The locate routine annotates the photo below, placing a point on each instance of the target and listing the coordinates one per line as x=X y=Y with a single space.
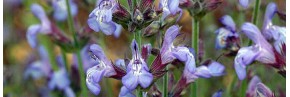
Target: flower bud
x=152 y=29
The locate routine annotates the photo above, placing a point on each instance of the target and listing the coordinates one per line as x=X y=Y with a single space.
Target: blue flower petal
x=31 y=35
x=173 y=5
x=94 y=76
x=38 y=11
x=69 y=92
x=59 y=80
x=252 y=86
x=228 y=22
x=244 y=3
x=124 y=92
x=269 y=14
x=130 y=81
x=245 y=56
x=98 y=51
x=216 y=69
x=254 y=34
x=202 y=71
x=263 y=91
x=145 y=79
x=93 y=24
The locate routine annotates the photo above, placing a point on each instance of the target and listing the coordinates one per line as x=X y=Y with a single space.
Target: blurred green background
x=18 y=54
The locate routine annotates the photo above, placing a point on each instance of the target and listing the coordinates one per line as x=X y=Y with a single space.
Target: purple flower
x=270 y=31
x=263 y=91
x=88 y=61
x=244 y=3
x=100 y=19
x=252 y=86
x=96 y=73
x=137 y=71
x=61 y=81
x=183 y=54
x=33 y=30
x=170 y=7
x=228 y=22
x=257 y=89
x=125 y=92
x=227 y=37
x=204 y=71
x=167 y=46
x=40 y=68
x=60 y=9
x=211 y=70
x=261 y=51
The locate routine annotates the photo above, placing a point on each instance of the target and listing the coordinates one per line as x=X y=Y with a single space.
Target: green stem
x=165 y=84
x=109 y=88
x=140 y=92
x=243 y=88
x=80 y=63
x=256 y=15
x=195 y=37
x=256 y=12
x=138 y=38
x=82 y=75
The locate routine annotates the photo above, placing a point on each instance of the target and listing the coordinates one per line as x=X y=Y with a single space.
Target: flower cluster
x=262 y=50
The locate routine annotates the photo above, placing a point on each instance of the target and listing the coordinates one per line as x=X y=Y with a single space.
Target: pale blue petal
x=228 y=22
x=118 y=30
x=216 y=69
x=269 y=14
x=69 y=92
x=130 y=81
x=263 y=91
x=252 y=85
x=38 y=11
x=94 y=76
x=98 y=51
x=94 y=88
x=245 y=56
x=93 y=24
x=254 y=34
x=124 y=92
x=31 y=35
x=108 y=28
x=145 y=79
x=244 y=3
x=222 y=35
x=173 y=5
x=202 y=71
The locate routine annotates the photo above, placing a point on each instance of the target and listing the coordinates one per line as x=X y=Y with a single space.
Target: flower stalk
x=195 y=37
x=80 y=63
x=138 y=38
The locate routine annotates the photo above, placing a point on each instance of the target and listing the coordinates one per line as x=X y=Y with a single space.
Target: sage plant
x=156 y=56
